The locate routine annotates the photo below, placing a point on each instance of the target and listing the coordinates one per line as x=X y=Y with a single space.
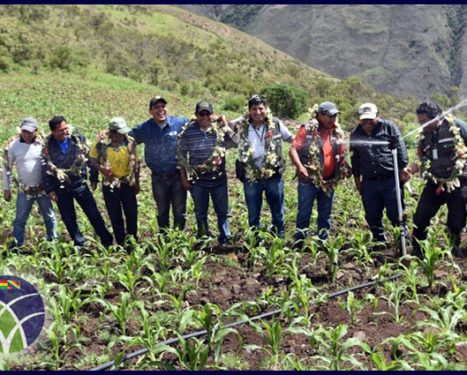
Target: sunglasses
x=204 y=113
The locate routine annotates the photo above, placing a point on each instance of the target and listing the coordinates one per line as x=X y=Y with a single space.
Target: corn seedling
x=330 y=343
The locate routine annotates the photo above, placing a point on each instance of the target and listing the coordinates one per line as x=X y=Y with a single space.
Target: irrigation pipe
x=126 y=357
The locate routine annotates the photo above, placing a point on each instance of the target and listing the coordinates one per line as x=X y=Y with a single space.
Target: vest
x=313 y=137
x=440 y=142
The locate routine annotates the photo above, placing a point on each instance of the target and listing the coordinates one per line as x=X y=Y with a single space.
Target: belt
x=380 y=178
x=164 y=175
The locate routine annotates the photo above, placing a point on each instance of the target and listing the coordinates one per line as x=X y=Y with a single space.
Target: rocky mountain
x=398 y=49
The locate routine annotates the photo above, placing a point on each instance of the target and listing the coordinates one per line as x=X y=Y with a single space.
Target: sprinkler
x=393 y=147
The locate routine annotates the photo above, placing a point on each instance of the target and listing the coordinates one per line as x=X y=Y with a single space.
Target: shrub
x=286 y=101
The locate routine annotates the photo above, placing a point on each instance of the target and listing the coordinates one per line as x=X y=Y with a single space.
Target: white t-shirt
x=28 y=162
x=257 y=136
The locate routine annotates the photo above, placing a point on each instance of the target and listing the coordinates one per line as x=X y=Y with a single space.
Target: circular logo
x=21 y=314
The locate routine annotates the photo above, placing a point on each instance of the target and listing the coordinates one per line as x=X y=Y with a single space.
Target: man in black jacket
x=373 y=167
x=443 y=153
x=64 y=176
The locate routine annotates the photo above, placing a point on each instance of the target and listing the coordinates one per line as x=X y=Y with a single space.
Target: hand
x=302 y=173
x=405 y=174
x=413 y=168
x=358 y=183
x=93 y=185
x=7 y=195
x=186 y=184
x=53 y=196
x=105 y=171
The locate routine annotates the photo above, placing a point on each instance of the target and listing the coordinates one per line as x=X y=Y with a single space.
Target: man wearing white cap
x=373 y=167
x=25 y=150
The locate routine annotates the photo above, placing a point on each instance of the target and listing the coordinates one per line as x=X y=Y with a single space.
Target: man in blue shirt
x=159 y=135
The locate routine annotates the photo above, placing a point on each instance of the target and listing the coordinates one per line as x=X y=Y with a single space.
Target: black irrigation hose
x=126 y=357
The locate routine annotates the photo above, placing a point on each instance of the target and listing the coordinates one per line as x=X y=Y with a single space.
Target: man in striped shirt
x=202 y=145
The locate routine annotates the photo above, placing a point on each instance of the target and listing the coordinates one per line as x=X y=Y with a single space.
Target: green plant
x=334 y=351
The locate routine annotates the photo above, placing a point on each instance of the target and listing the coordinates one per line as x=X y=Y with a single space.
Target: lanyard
x=261 y=137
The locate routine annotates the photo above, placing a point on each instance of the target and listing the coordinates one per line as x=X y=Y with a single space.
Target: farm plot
x=103 y=303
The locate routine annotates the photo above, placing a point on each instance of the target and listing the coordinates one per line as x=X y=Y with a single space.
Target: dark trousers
x=117 y=199
x=168 y=190
x=84 y=197
x=377 y=195
x=429 y=205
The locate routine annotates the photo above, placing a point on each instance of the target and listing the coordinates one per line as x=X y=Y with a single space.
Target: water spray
x=439 y=117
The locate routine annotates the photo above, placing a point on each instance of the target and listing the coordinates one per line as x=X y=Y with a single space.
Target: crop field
x=102 y=304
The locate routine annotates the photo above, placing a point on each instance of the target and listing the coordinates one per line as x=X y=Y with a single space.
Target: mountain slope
x=398 y=49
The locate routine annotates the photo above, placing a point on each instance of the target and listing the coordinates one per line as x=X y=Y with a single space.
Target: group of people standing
x=189 y=155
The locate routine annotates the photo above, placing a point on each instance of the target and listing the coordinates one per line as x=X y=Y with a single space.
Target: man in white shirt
x=25 y=150
x=260 y=154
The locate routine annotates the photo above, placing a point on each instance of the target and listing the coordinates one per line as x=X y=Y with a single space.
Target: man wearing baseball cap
x=373 y=167
x=114 y=156
x=202 y=146
x=318 y=172
x=159 y=135
x=24 y=150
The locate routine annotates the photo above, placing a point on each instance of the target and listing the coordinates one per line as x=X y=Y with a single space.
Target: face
x=115 y=136
x=204 y=119
x=326 y=121
x=61 y=132
x=159 y=112
x=368 y=125
x=28 y=136
x=423 y=119
x=258 y=114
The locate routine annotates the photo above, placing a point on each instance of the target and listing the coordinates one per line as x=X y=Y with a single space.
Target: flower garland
x=314 y=167
x=246 y=151
x=452 y=182
x=213 y=162
x=63 y=174
x=113 y=181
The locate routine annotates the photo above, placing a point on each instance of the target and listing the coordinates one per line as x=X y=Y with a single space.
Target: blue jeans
x=23 y=208
x=307 y=193
x=220 y=200
x=274 y=190
x=84 y=197
x=377 y=194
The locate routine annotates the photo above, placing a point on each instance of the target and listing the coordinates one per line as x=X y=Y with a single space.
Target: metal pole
x=399 y=201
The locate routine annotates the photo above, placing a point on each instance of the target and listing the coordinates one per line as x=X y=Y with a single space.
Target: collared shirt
x=374 y=160
x=199 y=145
x=118 y=157
x=64 y=161
x=328 y=164
x=160 y=143
x=28 y=162
x=257 y=139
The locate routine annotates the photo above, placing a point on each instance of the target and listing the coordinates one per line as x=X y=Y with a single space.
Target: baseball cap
x=328 y=108
x=203 y=105
x=29 y=124
x=154 y=100
x=368 y=111
x=119 y=125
